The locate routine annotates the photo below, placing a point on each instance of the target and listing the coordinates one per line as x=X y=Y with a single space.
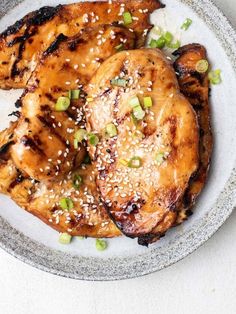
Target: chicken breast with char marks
x=44 y=136
x=145 y=165
x=43 y=201
x=22 y=44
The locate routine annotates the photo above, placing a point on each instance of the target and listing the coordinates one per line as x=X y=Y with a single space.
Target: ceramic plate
x=31 y=241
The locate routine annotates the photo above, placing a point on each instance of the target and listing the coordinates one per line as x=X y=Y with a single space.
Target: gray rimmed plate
x=25 y=237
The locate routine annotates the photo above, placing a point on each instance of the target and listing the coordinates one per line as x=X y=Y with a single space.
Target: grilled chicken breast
x=44 y=137
x=144 y=170
x=195 y=86
x=22 y=44
x=42 y=200
x=88 y=217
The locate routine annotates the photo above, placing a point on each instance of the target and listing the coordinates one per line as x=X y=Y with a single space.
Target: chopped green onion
x=77 y=181
x=168 y=37
x=74 y=94
x=66 y=203
x=87 y=159
x=156 y=30
x=153 y=43
x=80 y=237
x=62 y=104
x=160 y=157
x=135 y=162
x=134 y=120
x=101 y=245
x=80 y=135
x=160 y=42
x=215 y=77
x=147 y=102
x=111 y=130
x=123 y=162
x=138 y=112
x=134 y=102
x=119 y=47
x=127 y=17
x=93 y=139
x=76 y=144
x=185 y=26
x=65 y=238
x=202 y=66
x=175 y=45
x=89 y=99
x=119 y=82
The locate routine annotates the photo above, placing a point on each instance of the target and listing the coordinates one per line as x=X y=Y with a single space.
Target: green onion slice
x=134 y=102
x=160 y=42
x=77 y=181
x=138 y=112
x=202 y=66
x=123 y=162
x=127 y=17
x=101 y=245
x=160 y=157
x=156 y=30
x=147 y=102
x=89 y=99
x=80 y=135
x=66 y=203
x=175 y=45
x=215 y=77
x=135 y=162
x=111 y=130
x=76 y=144
x=119 y=47
x=134 y=120
x=168 y=37
x=65 y=238
x=62 y=104
x=93 y=139
x=153 y=43
x=185 y=26
x=74 y=94
x=119 y=82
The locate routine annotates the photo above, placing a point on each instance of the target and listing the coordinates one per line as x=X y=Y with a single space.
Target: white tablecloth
x=204 y=282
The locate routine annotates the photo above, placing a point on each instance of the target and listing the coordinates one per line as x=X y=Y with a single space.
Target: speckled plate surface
x=25 y=237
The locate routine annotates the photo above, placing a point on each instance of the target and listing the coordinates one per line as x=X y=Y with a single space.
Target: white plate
x=208 y=216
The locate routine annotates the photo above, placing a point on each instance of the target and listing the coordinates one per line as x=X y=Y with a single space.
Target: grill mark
x=41 y=16
x=72 y=45
x=71 y=114
x=18 y=179
x=29 y=142
x=15 y=114
x=55 y=44
x=21 y=38
x=37 y=18
x=147 y=239
x=4 y=150
x=48 y=123
x=15 y=71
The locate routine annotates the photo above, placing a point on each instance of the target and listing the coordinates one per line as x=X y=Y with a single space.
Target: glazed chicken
x=44 y=136
x=87 y=217
x=145 y=164
x=23 y=43
x=43 y=200
x=195 y=86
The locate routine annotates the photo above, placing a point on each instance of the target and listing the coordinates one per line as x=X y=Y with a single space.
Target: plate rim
x=89 y=268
